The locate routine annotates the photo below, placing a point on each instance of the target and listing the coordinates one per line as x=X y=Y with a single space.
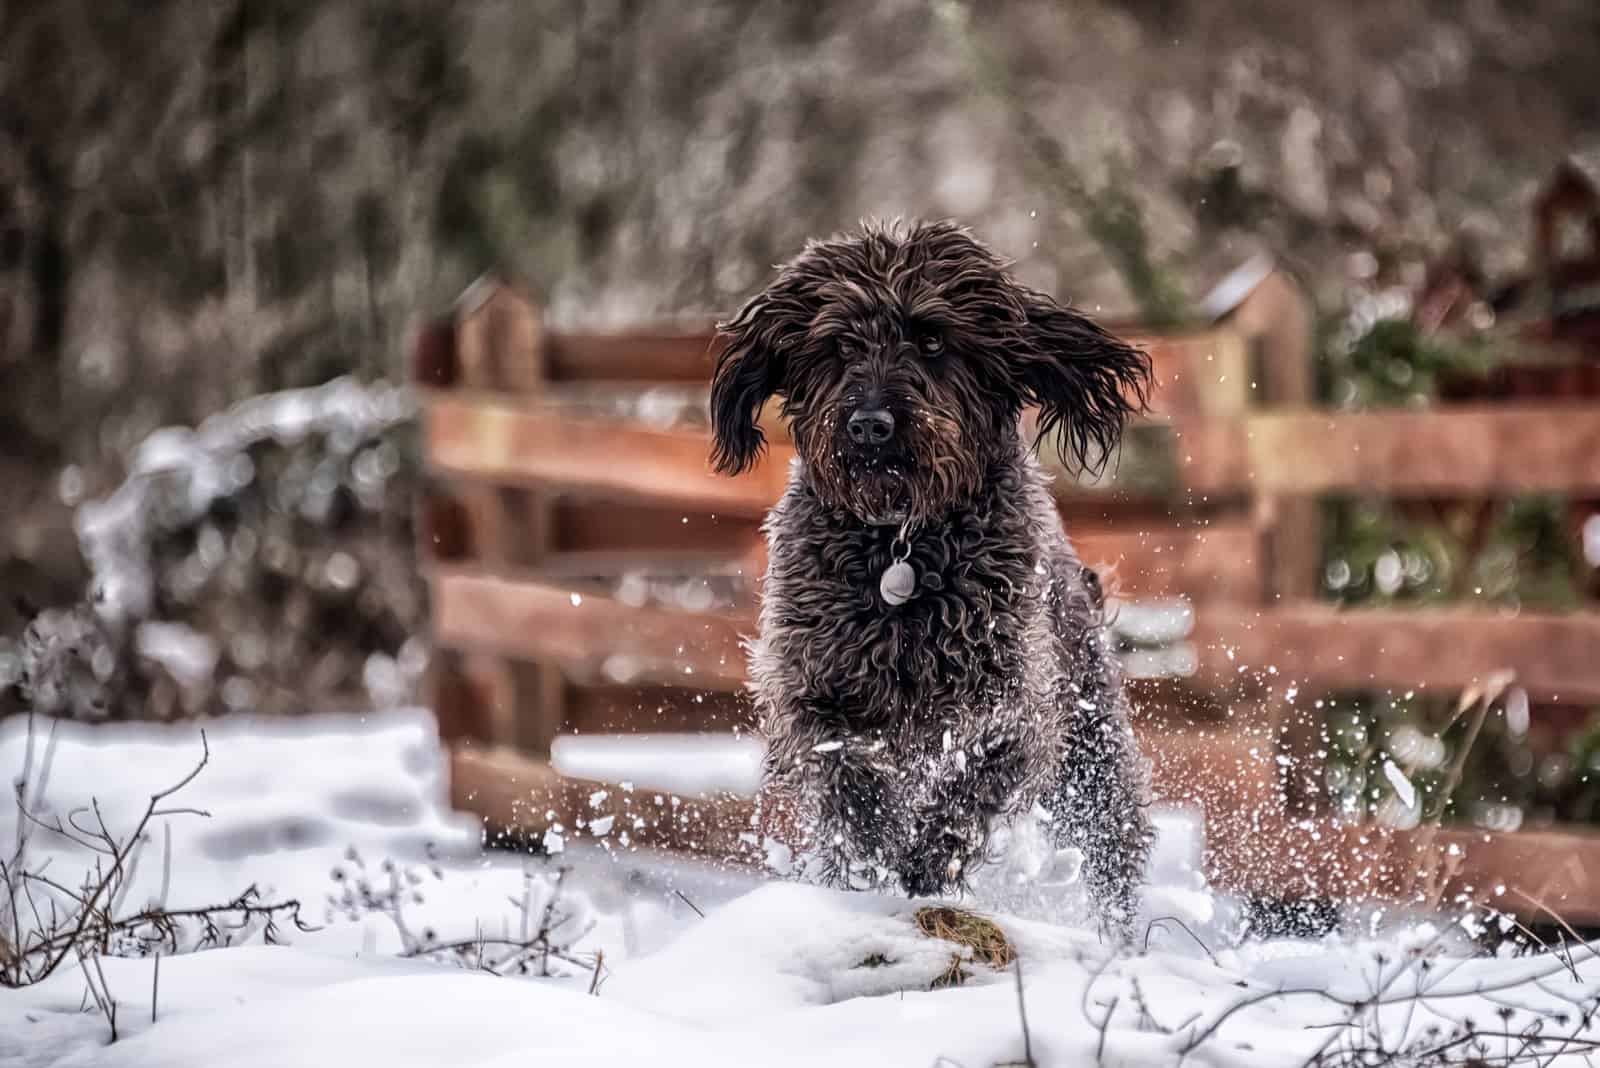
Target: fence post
x=499 y=339
x=1280 y=327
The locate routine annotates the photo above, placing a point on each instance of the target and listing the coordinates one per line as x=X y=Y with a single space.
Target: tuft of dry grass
x=978 y=934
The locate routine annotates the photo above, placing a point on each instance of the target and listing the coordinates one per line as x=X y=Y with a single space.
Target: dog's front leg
x=852 y=796
x=860 y=819
x=974 y=780
x=1101 y=808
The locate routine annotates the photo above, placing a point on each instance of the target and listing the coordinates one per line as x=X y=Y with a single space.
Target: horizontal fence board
x=1216 y=561
x=1412 y=453
x=610 y=708
x=1226 y=773
x=594 y=637
x=1204 y=372
x=1445 y=650
x=487 y=438
x=655 y=356
x=1440 y=451
x=1251 y=846
x=1437 y=454
x=587 y=525
x=1314 y=646
x=1537 y=875
x=509 y=444
x=613 y=709
x=1549 y=874
x=514 y=792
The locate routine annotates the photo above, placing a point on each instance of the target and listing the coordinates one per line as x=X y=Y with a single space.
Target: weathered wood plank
x=1444 y=650
x=1250 y=846
x=488 y=439
x=1533 y=874
x=499 y=340
x=1310 y=645
x=1221 y=771
x=594 y=637
x=1213 y=561
x=596 y=526
x=1217 y=561
x=512 y=791
x=655 y=709
x=516 y=446
x=1200 y=373
x=666 y=355
x=1439 y=452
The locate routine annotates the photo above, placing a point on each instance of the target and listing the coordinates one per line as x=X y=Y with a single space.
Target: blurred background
x=234 y=216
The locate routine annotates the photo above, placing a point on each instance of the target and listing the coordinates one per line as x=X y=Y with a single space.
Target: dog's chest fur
x=979 y=635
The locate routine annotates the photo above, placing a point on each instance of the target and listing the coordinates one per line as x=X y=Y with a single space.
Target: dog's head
x=904 y=359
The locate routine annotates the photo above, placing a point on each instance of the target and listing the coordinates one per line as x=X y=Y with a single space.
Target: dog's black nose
x=870 y=426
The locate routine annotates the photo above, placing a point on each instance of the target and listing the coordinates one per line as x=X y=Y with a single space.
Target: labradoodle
x=932 y=658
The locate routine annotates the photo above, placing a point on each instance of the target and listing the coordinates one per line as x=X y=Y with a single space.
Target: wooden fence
x=570 y=469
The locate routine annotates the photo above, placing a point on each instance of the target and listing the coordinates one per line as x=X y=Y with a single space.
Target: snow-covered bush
x=262 y=561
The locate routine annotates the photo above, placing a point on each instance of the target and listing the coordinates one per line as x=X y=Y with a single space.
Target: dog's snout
x=870 y=426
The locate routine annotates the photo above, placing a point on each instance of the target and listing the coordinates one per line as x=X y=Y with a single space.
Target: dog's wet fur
x=899 y=734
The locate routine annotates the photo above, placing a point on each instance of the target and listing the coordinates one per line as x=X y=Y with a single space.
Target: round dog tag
x=898 y=583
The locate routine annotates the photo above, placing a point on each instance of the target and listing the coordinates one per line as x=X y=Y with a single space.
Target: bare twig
x=541 y=935
x=1151 y=926
x=101 y=994
x=681 y=896
x=1022 y=1015
x=87 y=921
x=1484 y=698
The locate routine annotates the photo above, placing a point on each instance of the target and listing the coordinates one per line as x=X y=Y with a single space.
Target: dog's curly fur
x=901 y=733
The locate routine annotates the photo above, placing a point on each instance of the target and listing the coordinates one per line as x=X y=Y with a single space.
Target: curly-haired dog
x=931 y=655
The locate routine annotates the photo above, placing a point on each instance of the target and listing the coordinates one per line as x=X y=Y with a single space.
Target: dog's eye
x=930 y=343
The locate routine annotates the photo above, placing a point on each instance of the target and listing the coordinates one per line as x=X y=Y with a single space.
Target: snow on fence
x=590 y=576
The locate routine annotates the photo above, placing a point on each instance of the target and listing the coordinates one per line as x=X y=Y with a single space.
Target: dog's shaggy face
x=904 y=358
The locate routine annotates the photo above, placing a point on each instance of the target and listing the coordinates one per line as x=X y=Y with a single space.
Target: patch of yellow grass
x=979 y=934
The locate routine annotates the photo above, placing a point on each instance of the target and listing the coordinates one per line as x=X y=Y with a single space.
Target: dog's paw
x=938 y=861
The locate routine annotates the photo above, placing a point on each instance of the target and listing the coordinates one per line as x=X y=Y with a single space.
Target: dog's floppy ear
x=749 y=370
x=1085 y=381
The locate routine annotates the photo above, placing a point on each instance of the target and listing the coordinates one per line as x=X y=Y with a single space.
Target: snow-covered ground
x=773 y=973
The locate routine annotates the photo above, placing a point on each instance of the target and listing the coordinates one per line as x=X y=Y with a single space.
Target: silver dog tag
x=898 y=583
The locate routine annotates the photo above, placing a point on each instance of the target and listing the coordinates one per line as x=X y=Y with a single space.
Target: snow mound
x=789 y=974
x=287 y=803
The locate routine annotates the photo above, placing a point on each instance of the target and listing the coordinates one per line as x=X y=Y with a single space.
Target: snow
x=291 y=801
x=1402 y=785
x=685 y=764
x=775 y=972
x=190 y=656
